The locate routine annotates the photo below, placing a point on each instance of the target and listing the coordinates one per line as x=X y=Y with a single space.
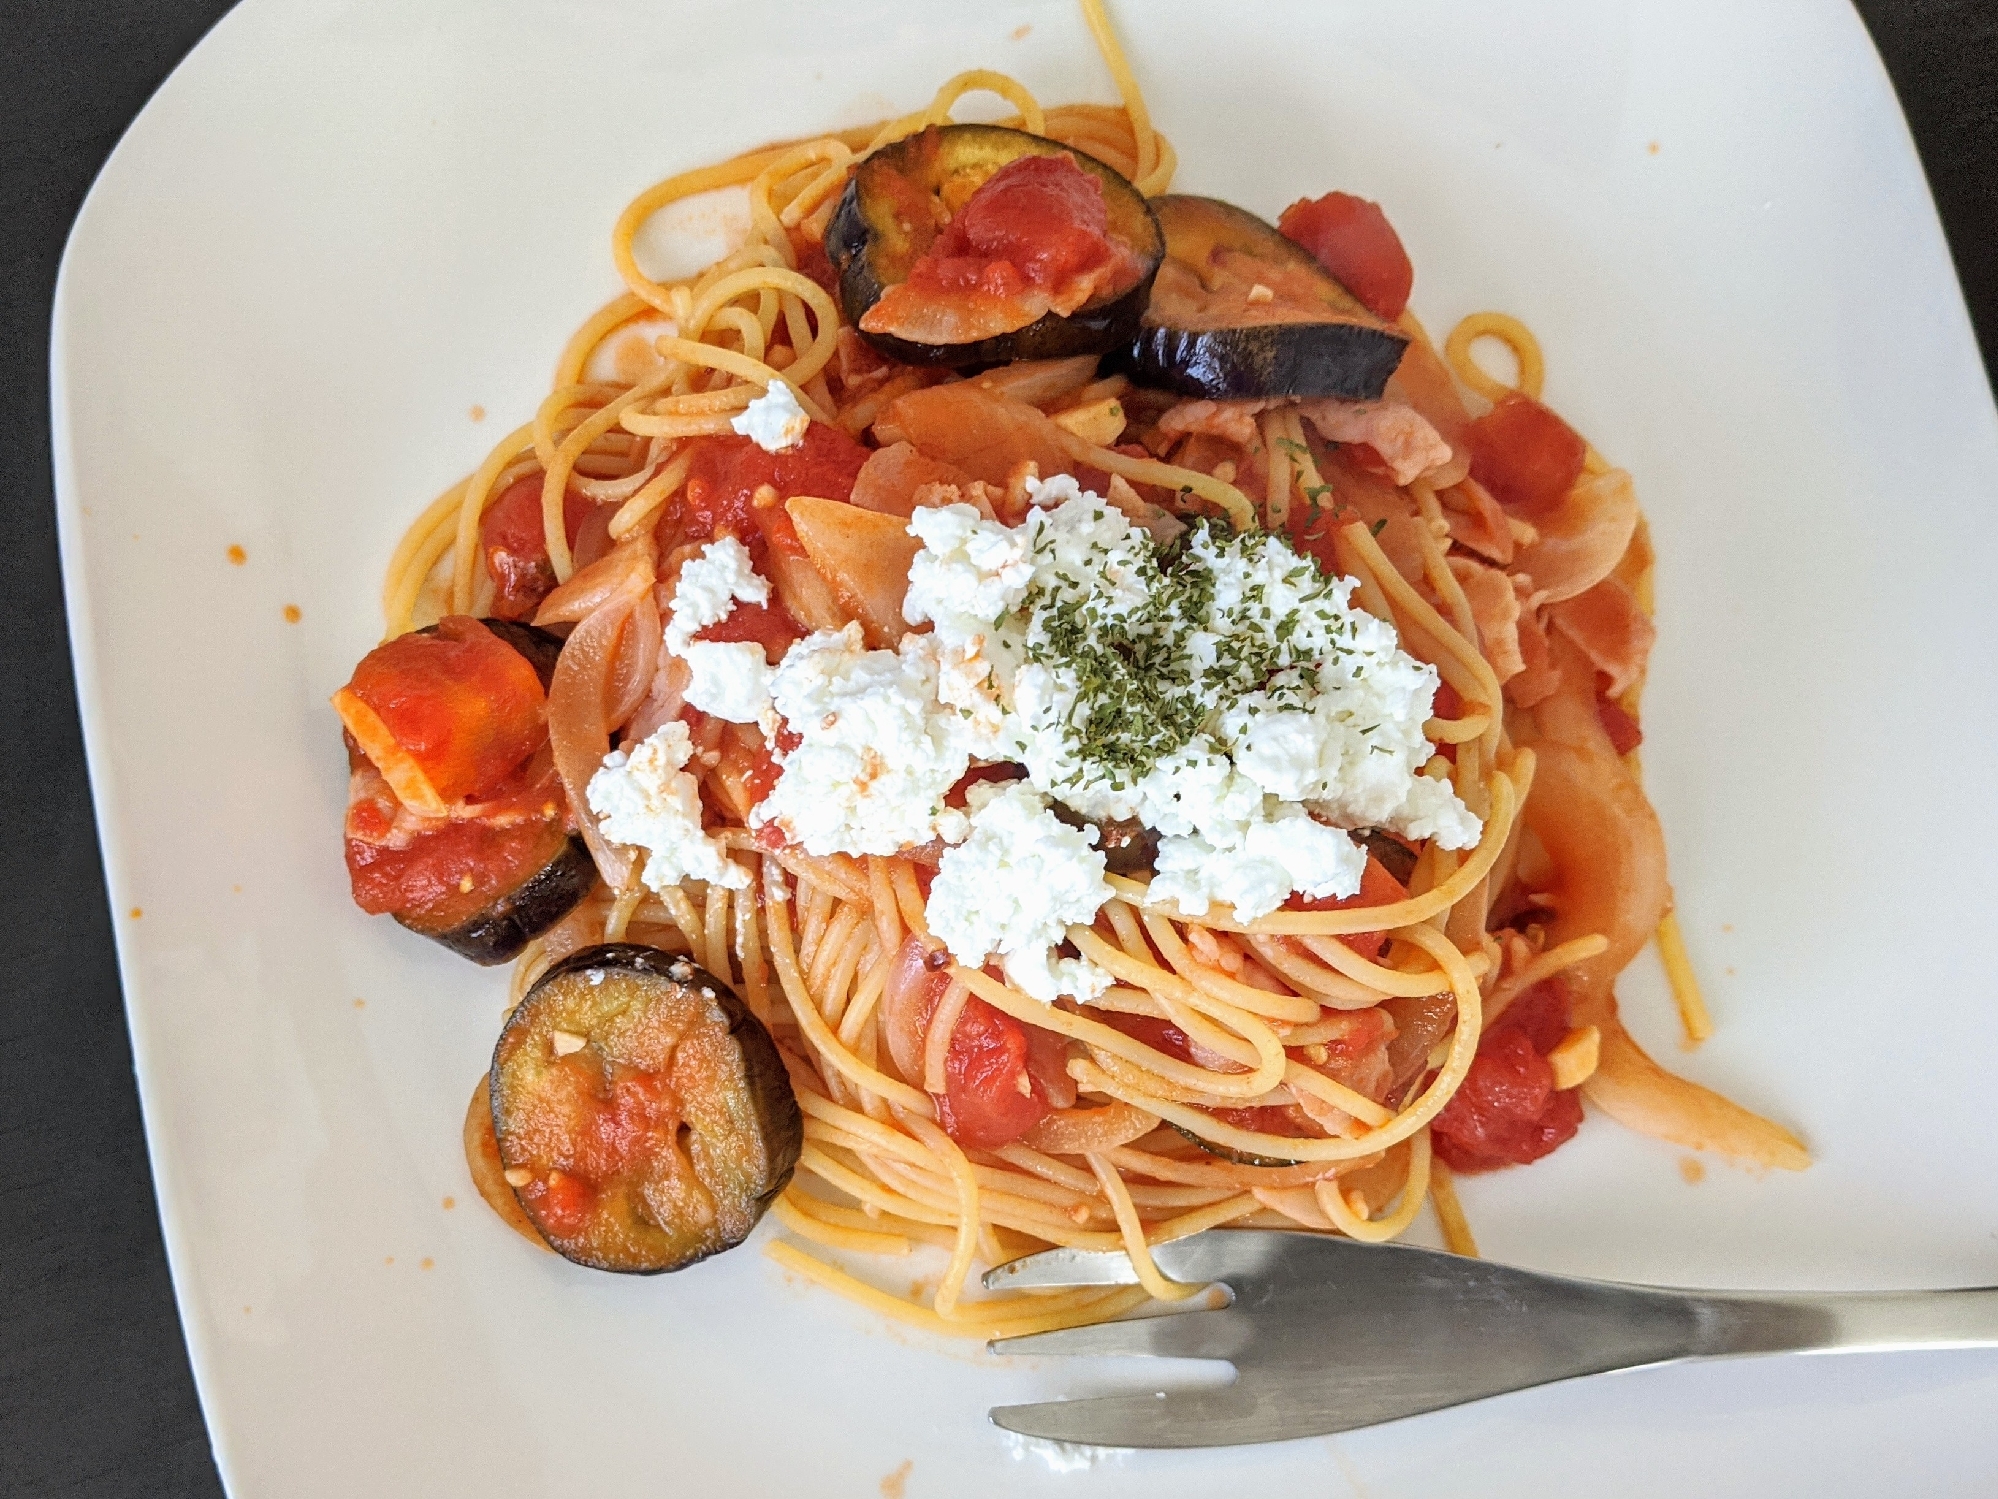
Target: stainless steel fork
x=1327 y=1335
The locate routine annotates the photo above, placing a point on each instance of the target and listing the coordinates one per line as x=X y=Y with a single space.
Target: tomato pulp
x=1377 y=888
x=1033 y=238
x=1525 y=455
x=1508 y=1111
x=1353 y=240
x=719 y=499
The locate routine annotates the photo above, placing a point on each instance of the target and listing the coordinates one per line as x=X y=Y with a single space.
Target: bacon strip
x=1495 y=610
x=1611 y=631
x=1407 y=443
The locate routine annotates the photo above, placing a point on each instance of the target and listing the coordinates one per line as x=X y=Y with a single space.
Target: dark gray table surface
x=95 y=1392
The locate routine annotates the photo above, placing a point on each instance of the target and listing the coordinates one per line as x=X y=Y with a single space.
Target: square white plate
x=338 y=227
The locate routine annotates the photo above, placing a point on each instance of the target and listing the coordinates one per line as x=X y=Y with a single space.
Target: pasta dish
x=1022 y=708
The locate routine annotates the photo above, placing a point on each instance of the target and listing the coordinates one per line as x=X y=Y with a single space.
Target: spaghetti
x=1291 y=1070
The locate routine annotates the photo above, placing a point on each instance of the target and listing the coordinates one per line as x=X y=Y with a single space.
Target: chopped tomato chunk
x=1525 y=455
x=1364 y=1032
x=1034 y=238
x=445 y=715
x=768 y=625
x=1508 y=1111
x=516 y=549
x=812 y=261
x=727 y=472
x=1353 y=240
x=1377 y=888
x=991 y=1096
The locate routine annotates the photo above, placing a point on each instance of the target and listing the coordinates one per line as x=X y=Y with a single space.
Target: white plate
x=339 y=227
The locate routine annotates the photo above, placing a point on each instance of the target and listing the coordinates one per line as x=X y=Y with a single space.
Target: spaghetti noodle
x=1286 y=1070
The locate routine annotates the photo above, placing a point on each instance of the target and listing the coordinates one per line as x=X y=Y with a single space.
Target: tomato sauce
x=1034 y=237
x=516 y=549
x=609 y=1124
x=719 y=499
x=1624 y=734
x=998 y=773
x=768 y=625
x=1354 y=241
x=1037 y=221
x=444 y=877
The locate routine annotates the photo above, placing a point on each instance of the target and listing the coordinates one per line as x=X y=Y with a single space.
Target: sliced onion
x=907 y=1002
x=1610 y=628
x=578 y=730
x=1322 y=1112
x=1608 y=853
x=1079 y=1131
x=1639 y=1094
x=617 y=578
x=635 y=663
x=663 y=702
x=1582 y=541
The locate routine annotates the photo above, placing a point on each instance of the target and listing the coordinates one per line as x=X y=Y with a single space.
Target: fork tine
x=1170 y=1418
x=1195 y=1260
x=1208 y=1335
x=1054 y=1269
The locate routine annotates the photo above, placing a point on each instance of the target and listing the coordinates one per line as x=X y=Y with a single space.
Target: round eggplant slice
x=644 y=1118
x=899 y=200
x=486 y=887
x=1129 y=847
x=482 y=1159
x=1240 y=312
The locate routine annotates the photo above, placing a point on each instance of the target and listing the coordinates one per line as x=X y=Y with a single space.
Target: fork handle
x=1742 y=1322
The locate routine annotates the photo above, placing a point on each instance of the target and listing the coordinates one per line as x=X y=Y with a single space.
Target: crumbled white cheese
x=1015 y=886
x=1272 y=857
x=644 y=798
x=876 y=751
x=774 y=421
x=730 y=679
x=1225 y=695
x=710 y=586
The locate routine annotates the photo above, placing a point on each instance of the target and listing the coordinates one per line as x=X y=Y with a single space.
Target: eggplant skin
x=499 y=932
x=1201 y=337
x=1227 y=1153
x=1127 y=845
x=768 y=1105
x=1285 y=359
x=858 y=243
